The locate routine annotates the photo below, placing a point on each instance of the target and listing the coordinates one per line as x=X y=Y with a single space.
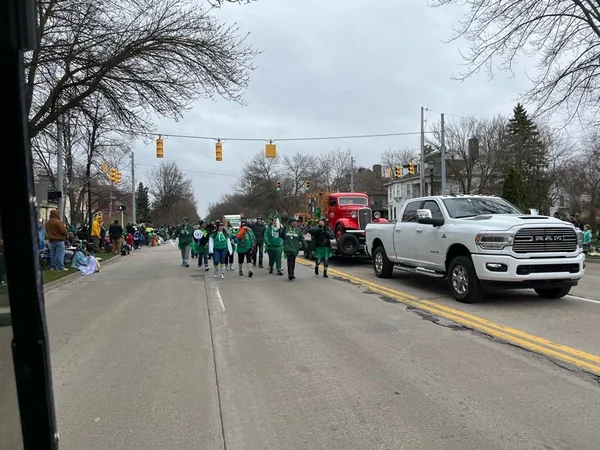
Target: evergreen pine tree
x=513 y=189
x=529 y=156
x=142 y=204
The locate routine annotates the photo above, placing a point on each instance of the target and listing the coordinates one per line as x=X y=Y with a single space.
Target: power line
x=305 y=138
x=195 y=171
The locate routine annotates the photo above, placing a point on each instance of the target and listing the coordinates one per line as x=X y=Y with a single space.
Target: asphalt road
x=149 y=355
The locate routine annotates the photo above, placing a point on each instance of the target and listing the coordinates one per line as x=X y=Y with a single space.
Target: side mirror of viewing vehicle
x=425 y=217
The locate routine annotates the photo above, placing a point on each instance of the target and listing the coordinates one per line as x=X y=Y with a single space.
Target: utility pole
x=60 y=169
x=133 y=207
x=443 y=154
x=422 y=165
x=352 y=174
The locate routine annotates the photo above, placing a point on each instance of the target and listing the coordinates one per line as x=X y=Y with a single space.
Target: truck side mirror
x=425 y=217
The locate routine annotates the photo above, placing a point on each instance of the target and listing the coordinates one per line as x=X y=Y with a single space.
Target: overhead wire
x=284 y=139
x=194 y=171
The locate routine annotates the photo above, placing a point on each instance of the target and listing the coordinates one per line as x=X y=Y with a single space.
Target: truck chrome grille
x=365 y=217
x=545 y=240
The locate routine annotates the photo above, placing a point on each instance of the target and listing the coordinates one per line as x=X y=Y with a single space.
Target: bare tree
x=333 y=167
x=392 y=158
x=158 y=55
x=563 y=32
x=298 y=169
x=170 y=189
x=581 y=177
x=475 y=172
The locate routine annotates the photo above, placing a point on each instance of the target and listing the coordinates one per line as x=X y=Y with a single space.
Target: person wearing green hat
x=185 y=234
x=293 y=241
x=321 y=236
x=273 y=245
x=245 y=245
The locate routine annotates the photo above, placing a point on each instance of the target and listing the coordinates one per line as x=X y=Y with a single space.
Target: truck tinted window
x=459 y=208
x=436 y=212
x=410 y=212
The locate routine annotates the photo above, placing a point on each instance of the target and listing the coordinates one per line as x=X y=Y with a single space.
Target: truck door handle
x=419 y=230
x=398 y=230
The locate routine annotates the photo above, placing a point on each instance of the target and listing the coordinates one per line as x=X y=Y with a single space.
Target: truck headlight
x=579 y=238
x=494 y=241
x=353 y=214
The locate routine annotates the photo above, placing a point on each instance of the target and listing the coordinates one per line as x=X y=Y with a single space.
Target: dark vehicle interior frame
x=29 y=345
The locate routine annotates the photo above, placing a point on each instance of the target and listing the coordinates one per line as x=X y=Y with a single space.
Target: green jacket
x=293 y=240
x=185 y=233
x=272 y=239
x=246 y=242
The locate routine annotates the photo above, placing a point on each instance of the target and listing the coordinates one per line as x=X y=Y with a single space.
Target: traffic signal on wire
x=278 y=186
x=159 y=147
x=112 y=175
x=307 y=185
x=411 y=168
x=118 y=177
x=219 y=151
x=398 y=171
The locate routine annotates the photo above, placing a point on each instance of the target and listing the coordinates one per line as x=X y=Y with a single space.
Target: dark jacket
x=115 y=231
x=259 y=232
x=321 y=236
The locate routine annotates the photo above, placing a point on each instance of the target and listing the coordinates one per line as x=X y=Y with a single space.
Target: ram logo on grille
x=548 y=238
x=545 y=240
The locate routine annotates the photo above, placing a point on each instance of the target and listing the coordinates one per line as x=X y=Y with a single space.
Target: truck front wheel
x=464 y=284
x=553 y=293
x=381 y=264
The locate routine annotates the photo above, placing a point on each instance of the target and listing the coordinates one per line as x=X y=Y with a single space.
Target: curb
x=73 y=276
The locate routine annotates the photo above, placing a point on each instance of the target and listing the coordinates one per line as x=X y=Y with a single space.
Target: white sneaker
x=222 y=276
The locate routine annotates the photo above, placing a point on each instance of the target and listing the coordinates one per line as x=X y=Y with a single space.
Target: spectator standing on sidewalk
x=96 y=233
x=56 y=233
x=115 y=233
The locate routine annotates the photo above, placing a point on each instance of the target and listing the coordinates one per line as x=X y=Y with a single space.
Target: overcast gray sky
x=330 y=68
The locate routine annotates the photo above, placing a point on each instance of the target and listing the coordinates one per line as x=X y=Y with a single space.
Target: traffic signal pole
x=443 y=154
x=133 y=208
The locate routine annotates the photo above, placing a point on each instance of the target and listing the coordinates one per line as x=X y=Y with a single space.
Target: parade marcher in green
x=293 y=241
x=245 y=245
x=185 y=234
x=273 y=245
x=201 y=244
x=321 y=237
x=219 y=246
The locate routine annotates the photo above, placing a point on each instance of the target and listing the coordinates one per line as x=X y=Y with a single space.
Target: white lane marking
x=218 y=294
x=583 y=299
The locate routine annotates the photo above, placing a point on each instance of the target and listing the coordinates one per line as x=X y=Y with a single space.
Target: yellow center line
x=587 y=361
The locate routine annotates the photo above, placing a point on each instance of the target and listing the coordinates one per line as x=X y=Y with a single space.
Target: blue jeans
x=203 y=259
x=57 y=255
x=220 y=256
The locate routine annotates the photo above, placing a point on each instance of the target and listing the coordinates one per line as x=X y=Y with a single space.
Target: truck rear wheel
x=348 y=245
x=464 y=284
x=553 y=293
x=381 y=264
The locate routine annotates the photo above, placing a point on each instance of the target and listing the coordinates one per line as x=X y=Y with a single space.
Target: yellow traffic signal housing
x=411 y=168
x=219 y=151
x=104 y=167
x=270 y=151
x=159 y=147
x=398 y=171
x=118 y=177
x=112 y=176
x=278 y=186
x=307 y=185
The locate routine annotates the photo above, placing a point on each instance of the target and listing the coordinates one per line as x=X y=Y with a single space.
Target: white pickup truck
x=479 y=243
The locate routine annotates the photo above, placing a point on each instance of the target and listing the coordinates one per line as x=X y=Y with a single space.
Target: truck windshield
x=459 y=208
x=344 y=201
